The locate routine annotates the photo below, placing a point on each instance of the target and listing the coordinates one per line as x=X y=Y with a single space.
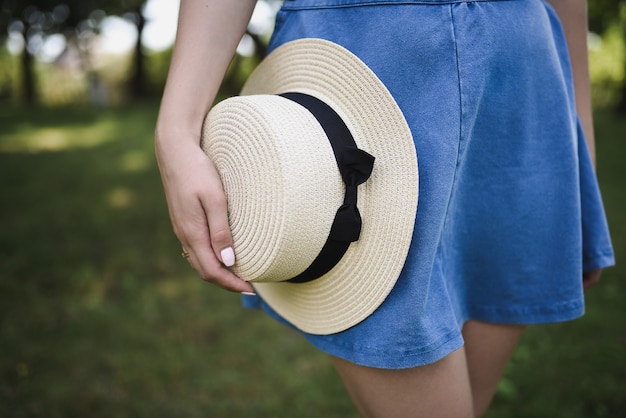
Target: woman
x=508 y=197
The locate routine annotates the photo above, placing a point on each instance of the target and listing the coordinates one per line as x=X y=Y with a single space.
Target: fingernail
x=248 y=293
x=228 y=256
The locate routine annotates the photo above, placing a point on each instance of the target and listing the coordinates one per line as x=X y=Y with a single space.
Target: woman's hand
x=198 y=211
x=591 y=278
x=206 y=40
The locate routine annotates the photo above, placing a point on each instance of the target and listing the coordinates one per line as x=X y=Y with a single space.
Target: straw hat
x=284 y=184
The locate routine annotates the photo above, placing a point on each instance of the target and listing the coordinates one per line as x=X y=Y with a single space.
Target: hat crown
x=281 y=181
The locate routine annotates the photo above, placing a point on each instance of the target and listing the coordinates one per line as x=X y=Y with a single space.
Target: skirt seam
x=333 y=4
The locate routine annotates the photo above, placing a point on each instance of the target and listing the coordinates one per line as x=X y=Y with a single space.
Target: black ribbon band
x=355 y=166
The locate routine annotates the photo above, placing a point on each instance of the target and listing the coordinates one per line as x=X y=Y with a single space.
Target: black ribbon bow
x=355 y=166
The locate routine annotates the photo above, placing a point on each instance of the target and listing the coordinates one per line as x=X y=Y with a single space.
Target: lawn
x=101 y=317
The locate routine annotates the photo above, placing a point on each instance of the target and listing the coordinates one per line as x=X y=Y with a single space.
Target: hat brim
x=363 y=278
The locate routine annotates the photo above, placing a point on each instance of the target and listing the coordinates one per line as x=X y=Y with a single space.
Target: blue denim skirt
x=510 y=214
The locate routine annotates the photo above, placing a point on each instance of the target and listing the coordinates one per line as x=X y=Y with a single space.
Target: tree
x=32 y=21
x=36 y=19
x=131 y=10
x=602 y=15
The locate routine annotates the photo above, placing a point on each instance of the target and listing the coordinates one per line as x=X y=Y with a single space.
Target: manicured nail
x=228 y=256
x=248 y=293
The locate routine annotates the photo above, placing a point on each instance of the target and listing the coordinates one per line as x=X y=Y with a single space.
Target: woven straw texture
x=283 y=185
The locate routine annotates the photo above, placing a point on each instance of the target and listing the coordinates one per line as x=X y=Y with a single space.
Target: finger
x=591 y=278
x=195 y=239
x=210 y=269
x=216 y=209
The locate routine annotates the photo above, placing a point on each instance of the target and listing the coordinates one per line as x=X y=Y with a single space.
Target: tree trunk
x=138 y=85
x=621 y=105
x=29 y=90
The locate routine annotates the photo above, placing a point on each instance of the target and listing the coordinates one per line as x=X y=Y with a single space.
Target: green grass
x=101 y=317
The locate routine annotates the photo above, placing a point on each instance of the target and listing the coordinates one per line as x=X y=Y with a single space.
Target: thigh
x=488 y=348
x=440 y=389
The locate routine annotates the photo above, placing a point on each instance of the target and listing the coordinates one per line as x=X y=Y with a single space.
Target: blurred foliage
x=78 y=21
x=607 y=55
x=60 y=85
x=605 y=13
x=119 y=78
x=608 y=18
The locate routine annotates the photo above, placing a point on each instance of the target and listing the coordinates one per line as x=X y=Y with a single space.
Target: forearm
x=573 y=16
x=208 y=34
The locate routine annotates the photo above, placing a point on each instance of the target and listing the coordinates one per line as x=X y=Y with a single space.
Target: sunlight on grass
x=120 y=197
x=29 y=138
x=171 y=288
x=133 y=161
x=48 y=140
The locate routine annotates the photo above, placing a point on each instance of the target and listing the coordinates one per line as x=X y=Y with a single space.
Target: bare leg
x=460 y=385
x=441 y=389
x=488 y=348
